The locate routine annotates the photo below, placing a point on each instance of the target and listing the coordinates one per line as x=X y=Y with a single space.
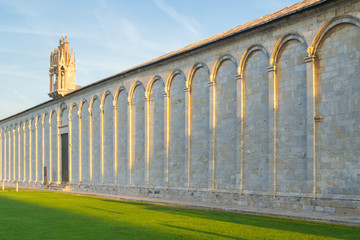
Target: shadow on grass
x=285 y=224
x=27 y=220
x=217 y=235
x=103 y=210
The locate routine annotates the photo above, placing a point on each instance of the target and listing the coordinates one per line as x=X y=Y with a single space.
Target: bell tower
x=62 y=70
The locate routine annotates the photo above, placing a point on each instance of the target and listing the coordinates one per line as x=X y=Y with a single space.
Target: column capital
x=212 y=83
x=310 y=59
x=187 y=89
x=271 y=68
x=240 y=76
x=166 y=94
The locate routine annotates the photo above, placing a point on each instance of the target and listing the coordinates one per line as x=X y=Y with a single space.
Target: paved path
x=349 y=219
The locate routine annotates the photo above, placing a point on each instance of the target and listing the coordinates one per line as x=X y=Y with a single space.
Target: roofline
x=174 y=55
x=150 y=63
x=26 y=110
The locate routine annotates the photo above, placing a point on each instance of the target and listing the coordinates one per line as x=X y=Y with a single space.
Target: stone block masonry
x=264 y=115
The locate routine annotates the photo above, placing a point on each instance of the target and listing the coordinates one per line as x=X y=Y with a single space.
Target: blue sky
x=108 y=37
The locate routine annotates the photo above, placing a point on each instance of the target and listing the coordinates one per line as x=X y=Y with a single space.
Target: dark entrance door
x=64 y=158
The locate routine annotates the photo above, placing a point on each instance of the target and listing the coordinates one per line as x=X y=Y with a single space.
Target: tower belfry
x=62 y=70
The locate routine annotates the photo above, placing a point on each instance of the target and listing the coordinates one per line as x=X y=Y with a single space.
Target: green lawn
x=50 y=215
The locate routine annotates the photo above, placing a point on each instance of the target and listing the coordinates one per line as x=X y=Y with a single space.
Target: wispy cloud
x=26 y=31
x=120 y=32
x=184 y=21
x=15 y=92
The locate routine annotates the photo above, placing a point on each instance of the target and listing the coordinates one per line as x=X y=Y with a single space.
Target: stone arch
x=132 y=90
x=198 y=125
x=23 y=150
x=72 y=106
x=107 y=138
x=7 y=154
x=254 y=118
x=61 y=110
x=171 y=77
x=193 y=69
x=218 y=63
x=327 y=27
x=225 y=136
x=175 y=138
x=151 y=83
x=95 y=141
x=103 y=98
x=44 y=144
x=291 y=113
x=336 y=54
x=14 y=149
x=117 y=94
x=73 y=143
x=84 y=148
x=37 y=159
x=52 y=170
x=1 y=154
x=91 y=104
x=31 y=146
x=248 y=52
x=155 y=132
x=20 y=153
x=81 y=105
x=137 y=134
x=282 y=41
x=122 y=122
x=9 y=151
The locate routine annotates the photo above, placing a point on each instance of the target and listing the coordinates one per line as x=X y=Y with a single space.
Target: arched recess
x=171 y=77
x=53 y=167
x=63 y=134
x=73 y=143
x=291 y=114
x=38 y=147
x=255 y=118
x=95 y=141
x=137 y=134
x=21 y=152
x=108 y=138
x=14 y=150
x=4 y=151
x=176 y=129
x=282 y=41
x=9 y=152
x=337 y=106
x=123 y=166
x=197 y=83
x=226 y=168
x=155 y=132
x=31 y=149
x=1 y=154
x=84 y=148
x=44 y=144
x=61 y=117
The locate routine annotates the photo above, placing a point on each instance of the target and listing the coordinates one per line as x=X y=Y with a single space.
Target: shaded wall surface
x=268 y=118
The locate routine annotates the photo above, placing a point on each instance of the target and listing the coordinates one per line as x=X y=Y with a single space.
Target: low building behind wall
x=265 y=114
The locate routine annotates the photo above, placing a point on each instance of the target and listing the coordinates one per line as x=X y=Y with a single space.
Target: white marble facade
x=269 y=117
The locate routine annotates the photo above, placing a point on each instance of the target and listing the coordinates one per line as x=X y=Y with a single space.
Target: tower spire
x=62 y=70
